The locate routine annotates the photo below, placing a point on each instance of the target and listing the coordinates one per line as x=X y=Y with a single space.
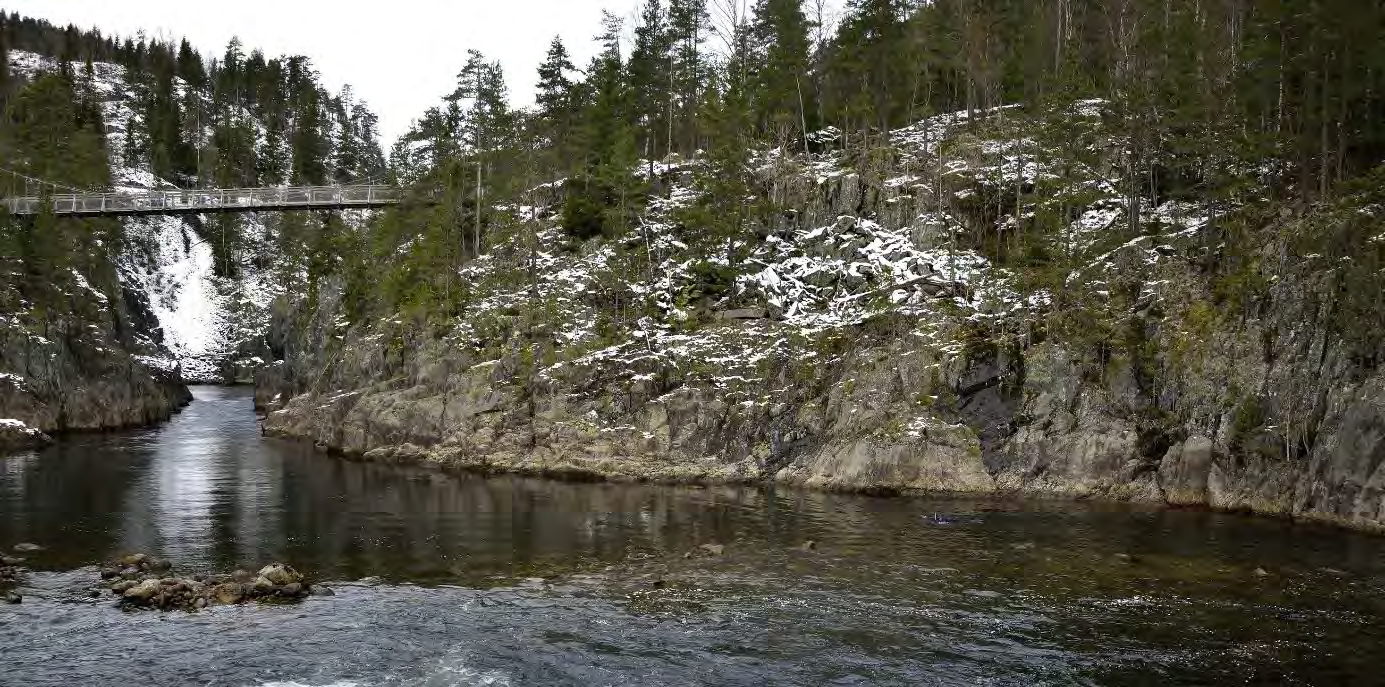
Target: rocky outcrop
x=88 y=370
x=1153 y=373
x=16 y=436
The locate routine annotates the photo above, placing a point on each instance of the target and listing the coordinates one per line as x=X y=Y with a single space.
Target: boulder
x=280 y=574
x=27 y=548
x=742 y=314
x=228 y=593
x=143 y=592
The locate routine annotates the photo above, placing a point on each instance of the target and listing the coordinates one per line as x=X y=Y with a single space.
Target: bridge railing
x=231 y=199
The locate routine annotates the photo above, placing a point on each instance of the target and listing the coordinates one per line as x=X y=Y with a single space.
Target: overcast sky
x=400 y=56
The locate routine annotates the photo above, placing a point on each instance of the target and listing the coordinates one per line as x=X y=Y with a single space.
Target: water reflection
x=208 y=492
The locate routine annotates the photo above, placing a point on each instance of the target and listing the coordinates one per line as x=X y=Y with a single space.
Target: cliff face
x=876 y=340
x=95 y=364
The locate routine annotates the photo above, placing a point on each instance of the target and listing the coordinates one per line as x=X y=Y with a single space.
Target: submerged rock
x=13 y=598
x=27 y=548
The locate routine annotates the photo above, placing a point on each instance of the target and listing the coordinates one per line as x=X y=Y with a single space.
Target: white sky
x=400 y=56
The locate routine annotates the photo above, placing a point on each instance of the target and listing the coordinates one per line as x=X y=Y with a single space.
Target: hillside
x=1136 y=255
x=877 y=334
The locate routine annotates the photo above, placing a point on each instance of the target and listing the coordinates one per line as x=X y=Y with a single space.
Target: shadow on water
x=516 y=581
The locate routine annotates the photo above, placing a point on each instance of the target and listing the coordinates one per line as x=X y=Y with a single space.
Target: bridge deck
x=210 y=201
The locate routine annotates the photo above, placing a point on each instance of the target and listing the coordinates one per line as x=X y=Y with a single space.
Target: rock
x=261 y=586
x=1024 y=546
x=110 y=573
x=199 y=603
x=1261 y=572
x=1127 y=558
x=27 y=548
x=123 y=585
x=228 y=593
x=133 y=560
x=292 y=589
x=809 y=545
x=13 y=598
x=319 y=590
x=742 y=314
x=10 y=560
x=280 y=574
x=242 y=576
x=143 y=592
x=95 y=593
x=713 y=549
x=159 y=564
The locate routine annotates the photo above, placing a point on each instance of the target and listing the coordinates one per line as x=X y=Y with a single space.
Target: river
x=465 y=580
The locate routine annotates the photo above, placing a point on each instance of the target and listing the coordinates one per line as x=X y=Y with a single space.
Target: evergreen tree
x=650 y=80
x=688 y=20
x=780 y=31
x=557 y=98
x=4 y=63
x=602 y=198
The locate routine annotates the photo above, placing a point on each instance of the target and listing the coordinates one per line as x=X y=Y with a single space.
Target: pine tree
x=555 y=90
x=650 y=80
x=780 y=31
x=865 y=61
x=688 y=21
x=602 y=198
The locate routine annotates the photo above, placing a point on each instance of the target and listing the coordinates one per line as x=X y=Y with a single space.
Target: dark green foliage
x=584 y=209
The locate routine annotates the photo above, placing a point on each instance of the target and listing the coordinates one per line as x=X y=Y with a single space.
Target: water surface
x=447 y=580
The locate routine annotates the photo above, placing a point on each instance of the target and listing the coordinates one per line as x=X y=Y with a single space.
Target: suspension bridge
x=192 y=202
x=40 y=195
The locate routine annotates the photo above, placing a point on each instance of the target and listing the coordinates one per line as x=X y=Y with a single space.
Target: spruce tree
x=556 y=99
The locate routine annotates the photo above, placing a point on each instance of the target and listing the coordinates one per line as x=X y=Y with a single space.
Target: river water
x=446 y=580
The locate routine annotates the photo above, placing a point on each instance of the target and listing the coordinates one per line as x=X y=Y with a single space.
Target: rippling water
x=471 y=581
